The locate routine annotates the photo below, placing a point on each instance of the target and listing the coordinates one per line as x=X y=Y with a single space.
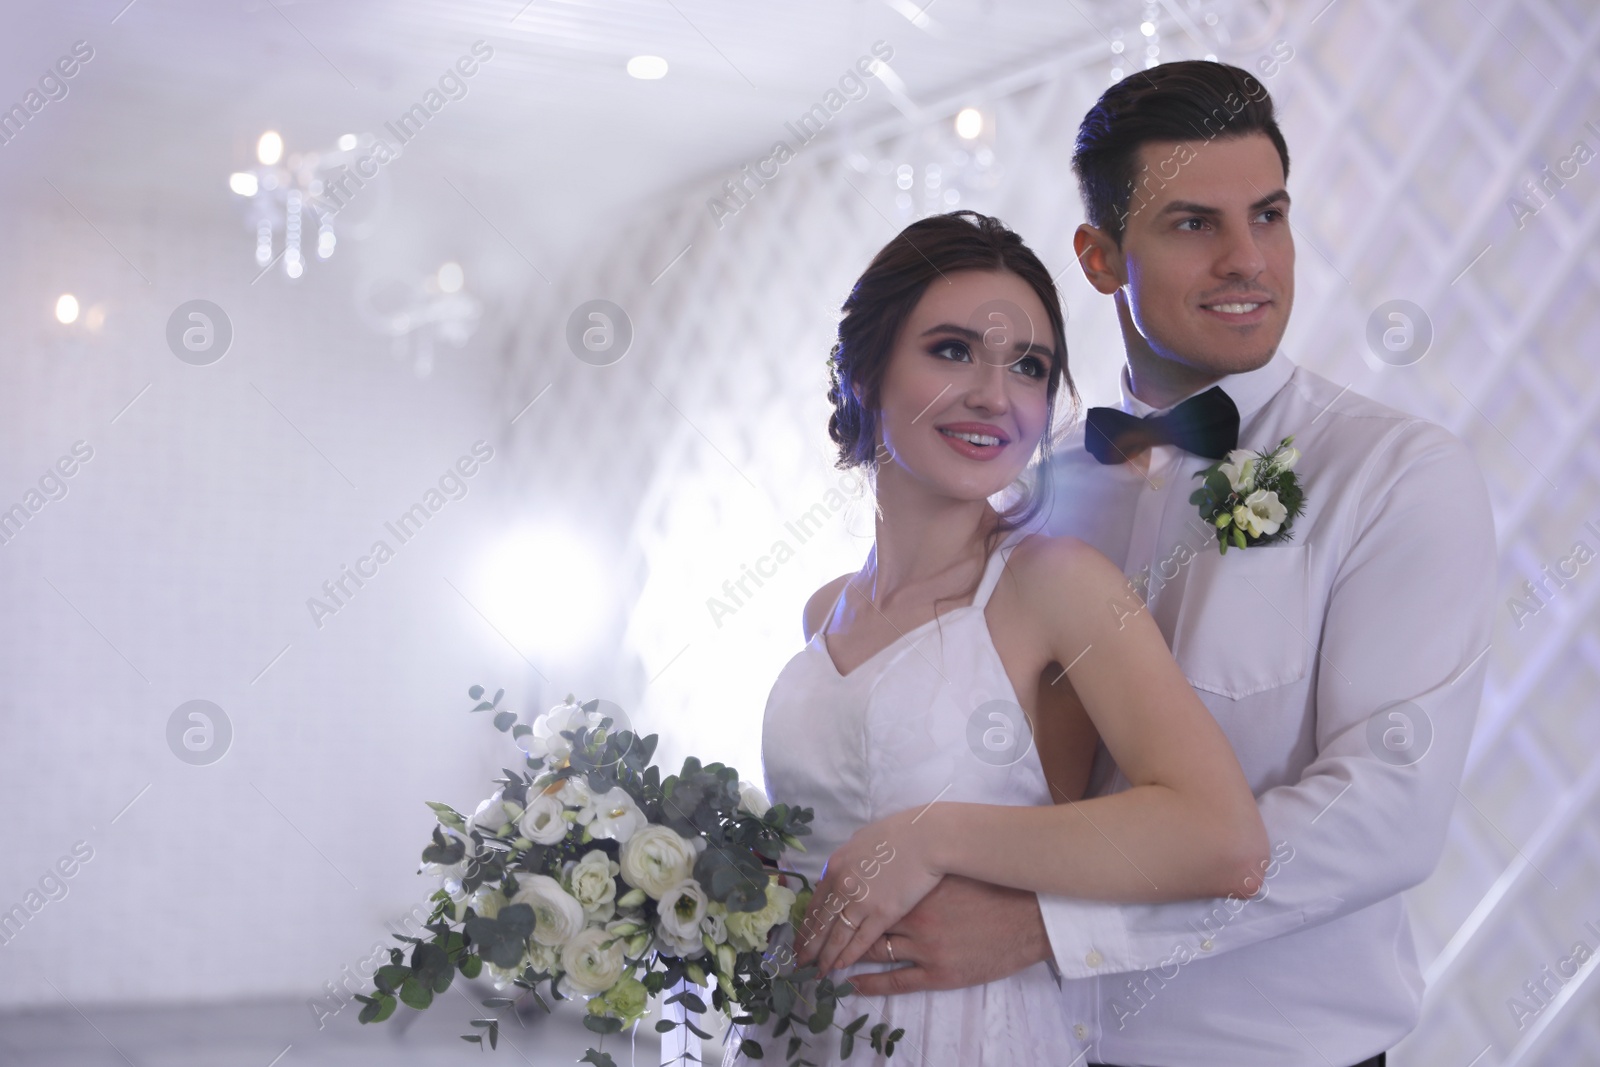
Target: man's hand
x=963 y=933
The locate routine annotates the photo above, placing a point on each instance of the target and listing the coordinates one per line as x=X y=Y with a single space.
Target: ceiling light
x=450 y=278
x=243 y=183
x=270 y=148
x=67 y=309
x=347 y=142
x=969 y=123
x=647 y=68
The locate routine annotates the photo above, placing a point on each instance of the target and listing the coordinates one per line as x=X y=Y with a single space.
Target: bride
x=944 y=712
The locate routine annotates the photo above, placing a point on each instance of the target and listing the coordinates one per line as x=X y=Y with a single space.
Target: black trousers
x=1376 y=1061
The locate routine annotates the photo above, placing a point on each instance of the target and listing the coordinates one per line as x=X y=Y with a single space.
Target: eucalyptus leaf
x=414 y=994
x=503 y=940
x=432 y=965
x=389 y=977
x=378 y=1009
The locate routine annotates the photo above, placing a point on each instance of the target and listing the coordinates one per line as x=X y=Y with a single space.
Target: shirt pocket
x=1241 y=625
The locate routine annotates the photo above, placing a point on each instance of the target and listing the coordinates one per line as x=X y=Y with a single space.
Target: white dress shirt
x=1301 y=650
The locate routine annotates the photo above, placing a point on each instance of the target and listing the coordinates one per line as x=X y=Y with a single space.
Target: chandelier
x=286 y=196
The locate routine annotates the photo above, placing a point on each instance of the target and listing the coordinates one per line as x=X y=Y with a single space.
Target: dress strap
x=997 y=564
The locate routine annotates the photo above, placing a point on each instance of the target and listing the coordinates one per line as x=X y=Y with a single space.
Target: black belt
x=1376 y=1061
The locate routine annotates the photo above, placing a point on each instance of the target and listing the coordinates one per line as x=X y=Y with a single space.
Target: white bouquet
x=591 y=876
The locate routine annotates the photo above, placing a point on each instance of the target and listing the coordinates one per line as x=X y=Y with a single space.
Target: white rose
x=1240 y=469
x=753 y=800
x=614 y=815
x=1261 y=513
x=557 y=915
x=491 y=816
x=594 y=884
x=591 y=968
x=678 y=918
x=656 y=858
x=542 y=822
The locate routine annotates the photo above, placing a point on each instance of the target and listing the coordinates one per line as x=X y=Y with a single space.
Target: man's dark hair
x=1191 y=100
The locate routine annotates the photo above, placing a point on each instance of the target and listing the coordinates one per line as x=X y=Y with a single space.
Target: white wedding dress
x=913 y=724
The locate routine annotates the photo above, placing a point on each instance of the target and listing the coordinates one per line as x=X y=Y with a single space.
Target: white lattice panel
x=1410 y=125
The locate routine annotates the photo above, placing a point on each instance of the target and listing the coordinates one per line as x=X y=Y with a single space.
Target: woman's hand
x=869 y=884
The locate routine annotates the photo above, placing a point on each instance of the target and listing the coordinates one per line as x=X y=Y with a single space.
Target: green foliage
x=701 y=801
x=1216 y=498
x=502 y=940
x=444 y=851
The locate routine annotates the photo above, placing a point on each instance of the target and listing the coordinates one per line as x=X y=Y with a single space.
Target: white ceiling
x=554 y=140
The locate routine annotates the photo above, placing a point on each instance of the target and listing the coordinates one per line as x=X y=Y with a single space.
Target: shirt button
x=1094 y=959
x=1206 y=944
x=1080 y=1030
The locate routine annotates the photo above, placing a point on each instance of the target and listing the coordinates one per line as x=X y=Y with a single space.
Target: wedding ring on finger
x=888 y=946
x=846 y=920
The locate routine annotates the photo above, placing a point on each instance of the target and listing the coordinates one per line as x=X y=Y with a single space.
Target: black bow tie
x=1206 y=424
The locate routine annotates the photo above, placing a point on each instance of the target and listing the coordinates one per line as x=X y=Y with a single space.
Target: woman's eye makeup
x=1033 y=367
x=954 y=349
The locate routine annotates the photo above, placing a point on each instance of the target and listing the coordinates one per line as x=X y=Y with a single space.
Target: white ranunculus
x=1240 y=469
x=1261 y=513
x=656 y=858
x=594 y=884
x=748 y=930
x=591 y=968
x=542 y=822
x=557 y=915
x=491 y=816
x=613 y=815
x=678 y=917
x=753 y=799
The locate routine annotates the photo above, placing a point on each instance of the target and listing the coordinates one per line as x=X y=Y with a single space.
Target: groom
x=1345 y=663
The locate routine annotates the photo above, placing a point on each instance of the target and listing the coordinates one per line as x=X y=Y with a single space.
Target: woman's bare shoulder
x=1063 y=565
x=820 y=606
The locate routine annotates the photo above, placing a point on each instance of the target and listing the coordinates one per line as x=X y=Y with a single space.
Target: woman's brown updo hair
x=884 y=297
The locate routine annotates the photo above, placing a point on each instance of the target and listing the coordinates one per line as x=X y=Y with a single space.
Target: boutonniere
x=1251 y=498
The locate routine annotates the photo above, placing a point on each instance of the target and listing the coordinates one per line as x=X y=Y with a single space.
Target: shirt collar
x=1248 y=390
